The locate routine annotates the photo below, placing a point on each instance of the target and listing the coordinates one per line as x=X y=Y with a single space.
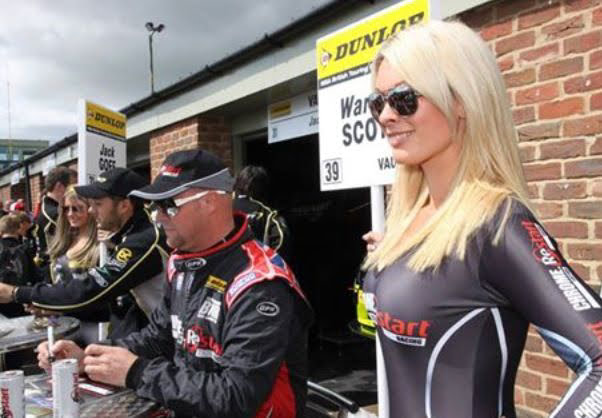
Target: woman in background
x=73 y=250
x=464 y=265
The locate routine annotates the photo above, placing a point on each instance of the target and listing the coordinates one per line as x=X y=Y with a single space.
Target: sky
x=52 y=53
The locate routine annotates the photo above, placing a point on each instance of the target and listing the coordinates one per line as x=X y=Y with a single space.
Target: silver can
x=65 y=390
x=11 y=394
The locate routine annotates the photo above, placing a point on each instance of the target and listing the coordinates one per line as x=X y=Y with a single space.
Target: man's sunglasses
x=171 y=206
x=403 y=99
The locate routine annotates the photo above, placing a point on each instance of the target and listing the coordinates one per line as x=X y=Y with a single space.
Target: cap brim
x=91 y=191
x=161 y=189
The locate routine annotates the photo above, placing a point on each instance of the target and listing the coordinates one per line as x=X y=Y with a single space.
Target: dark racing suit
x=131 y=280
x=229 y=339
x=43 y=231
x=452 y=339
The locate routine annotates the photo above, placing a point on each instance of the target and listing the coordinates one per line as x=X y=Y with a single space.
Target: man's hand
x=62 y=349
x=39 y=311
x=6 y=293
x=108 y=364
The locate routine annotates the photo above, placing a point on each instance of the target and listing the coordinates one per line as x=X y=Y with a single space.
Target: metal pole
x=152 y=74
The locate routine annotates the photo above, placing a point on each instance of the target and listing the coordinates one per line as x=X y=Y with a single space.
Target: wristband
x=13 y=294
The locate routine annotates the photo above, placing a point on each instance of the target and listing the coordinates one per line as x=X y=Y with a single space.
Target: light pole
x=152 y=29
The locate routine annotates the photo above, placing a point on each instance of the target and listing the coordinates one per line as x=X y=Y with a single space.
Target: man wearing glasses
x=230 y=337
x=132 y=278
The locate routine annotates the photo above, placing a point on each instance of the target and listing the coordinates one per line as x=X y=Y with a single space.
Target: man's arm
x=253 y=353
x=135 y=260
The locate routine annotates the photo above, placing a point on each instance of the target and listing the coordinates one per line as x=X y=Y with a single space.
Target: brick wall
x=36 y=184
x=550 y=53
x=208 y=133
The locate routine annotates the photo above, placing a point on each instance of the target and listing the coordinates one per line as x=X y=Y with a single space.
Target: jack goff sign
x=101 y=140
x=353 y=150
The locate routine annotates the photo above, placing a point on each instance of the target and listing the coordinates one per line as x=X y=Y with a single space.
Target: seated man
x=132 y=278
x=230 y=336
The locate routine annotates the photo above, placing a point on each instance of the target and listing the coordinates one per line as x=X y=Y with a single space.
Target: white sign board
x=353 y=150
x=100 y=142
x=294 y=117
x=49 y=164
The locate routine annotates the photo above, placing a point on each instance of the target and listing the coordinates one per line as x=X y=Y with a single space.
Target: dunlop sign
x=353 y=149
x=100 y=142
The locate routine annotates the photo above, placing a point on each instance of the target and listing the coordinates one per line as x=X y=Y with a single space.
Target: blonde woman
x=73 y=250
x=464 y=266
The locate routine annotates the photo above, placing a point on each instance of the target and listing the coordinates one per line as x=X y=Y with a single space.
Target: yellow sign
x=356 y=46
x=105 y=120
x=124 y=255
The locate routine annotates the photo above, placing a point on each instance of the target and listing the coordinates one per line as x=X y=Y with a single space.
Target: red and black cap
x=116 y=182
x=183 y=170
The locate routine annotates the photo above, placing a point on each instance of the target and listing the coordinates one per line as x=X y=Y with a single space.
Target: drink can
x=65 y=390
x=11 y=394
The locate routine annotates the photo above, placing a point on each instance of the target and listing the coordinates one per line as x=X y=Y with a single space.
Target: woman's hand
x=372 y=239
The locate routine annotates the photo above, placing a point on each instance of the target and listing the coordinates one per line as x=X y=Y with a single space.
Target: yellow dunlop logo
x=124 y=255
x=357 y=45
x=105 y=120
x=216 y=284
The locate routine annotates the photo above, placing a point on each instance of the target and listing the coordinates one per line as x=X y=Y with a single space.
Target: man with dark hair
x=251 y=190
x=132 y=278
x=230 y=337
x=57 y=181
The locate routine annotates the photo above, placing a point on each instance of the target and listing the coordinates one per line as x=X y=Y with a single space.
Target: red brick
x=516 y=42
x=564 y=28
x=534 y=344
x=506 y=63
x=583 y=126
x=538 y=17
x=581 y=270
x=546 y=51
x=546 y=365
x=596 y=147
x=586 y=210
x=597 y=17
x=561 y=68
x=519 y=398
x=597 y=189
x=595 y=102
x=556 y=387
x=511 y=7
x=565 y=190
x=519 y=78
x=591 y=167
x=496 y=30
x=528 y=380
x=599 y=272
x=523 y=115
x=539 y=93
x=548 y=210
x=526 y=153
x=575 y=5
x=583 y=43
x=561 y=108
x=583 y=83
x=533 y=191
x=598 y=230
x=565 y=229
x=539 y=131
x=595 y=60
x=585 y=251
x=562 y=149
x=539 y=171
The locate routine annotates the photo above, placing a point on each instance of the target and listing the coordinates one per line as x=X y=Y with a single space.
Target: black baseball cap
x=183 y=170
x=116 y=182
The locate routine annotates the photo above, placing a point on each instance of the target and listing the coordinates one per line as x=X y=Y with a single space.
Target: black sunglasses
x=73 y=209
x=167 y=206
x=403 y=99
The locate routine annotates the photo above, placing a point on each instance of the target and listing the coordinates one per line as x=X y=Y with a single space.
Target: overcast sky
x=55 y=52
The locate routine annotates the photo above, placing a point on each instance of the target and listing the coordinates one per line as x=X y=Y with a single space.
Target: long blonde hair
x=65 y=235
x=449 y=64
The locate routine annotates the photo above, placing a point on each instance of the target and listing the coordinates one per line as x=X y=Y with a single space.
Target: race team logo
x=403 y=332
x=268 y=309
x=124 y=255
x=170 y=171
x=210 y=310
x=195 y=263
x=216 y=284
x=543 y=248
x=202 y=344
